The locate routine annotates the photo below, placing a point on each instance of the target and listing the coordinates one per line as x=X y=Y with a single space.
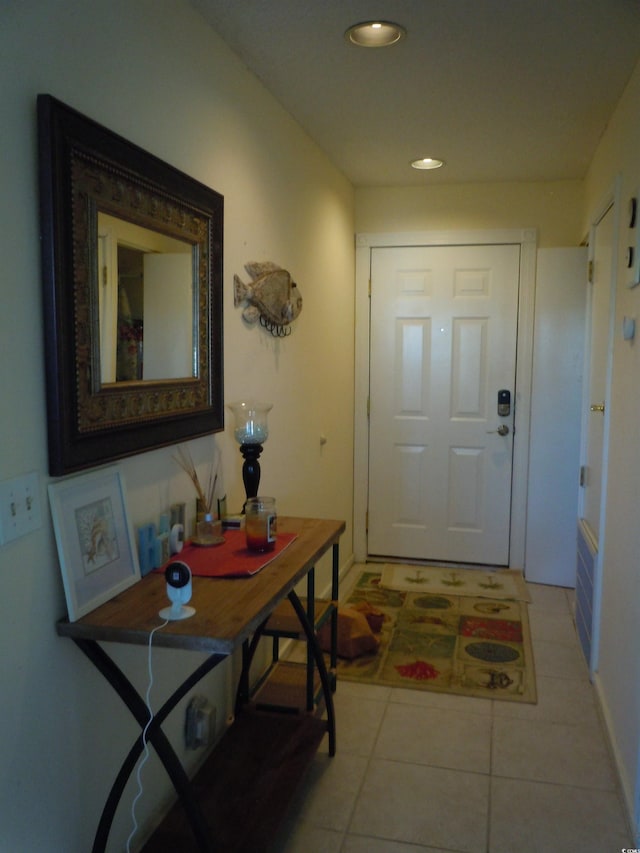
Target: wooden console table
x=228 y=615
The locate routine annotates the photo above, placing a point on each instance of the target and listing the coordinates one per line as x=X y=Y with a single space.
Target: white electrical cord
x=145 y=754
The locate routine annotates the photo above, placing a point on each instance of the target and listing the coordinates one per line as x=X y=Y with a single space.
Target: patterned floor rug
x=469 y=645
x=502 y=583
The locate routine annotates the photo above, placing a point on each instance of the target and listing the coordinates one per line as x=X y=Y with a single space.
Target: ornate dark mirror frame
x=84 y=169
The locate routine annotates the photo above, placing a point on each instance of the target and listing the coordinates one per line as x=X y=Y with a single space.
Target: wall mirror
x=132 y=286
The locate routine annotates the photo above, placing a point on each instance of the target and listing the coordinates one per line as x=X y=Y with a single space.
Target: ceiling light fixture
x=427 y=163
x=375 y=34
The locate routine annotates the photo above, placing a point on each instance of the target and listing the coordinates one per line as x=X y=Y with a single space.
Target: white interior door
x=591 y=544
x=600 y=297
x=443 y=343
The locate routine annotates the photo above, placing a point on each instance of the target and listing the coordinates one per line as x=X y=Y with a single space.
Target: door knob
x=503 y=429
x=597 y=407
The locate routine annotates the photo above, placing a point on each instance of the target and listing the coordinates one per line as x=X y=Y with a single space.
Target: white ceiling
x=502 y=90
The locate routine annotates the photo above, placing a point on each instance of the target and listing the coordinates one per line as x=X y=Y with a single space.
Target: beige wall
x=618 y=677
x=155 y=73
x=554 y=209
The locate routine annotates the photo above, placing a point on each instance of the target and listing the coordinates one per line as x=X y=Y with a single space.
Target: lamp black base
x=251 y=469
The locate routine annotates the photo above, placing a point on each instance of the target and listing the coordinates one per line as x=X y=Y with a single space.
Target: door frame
x=527 y=239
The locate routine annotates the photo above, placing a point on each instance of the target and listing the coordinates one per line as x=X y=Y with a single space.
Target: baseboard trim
x=627 y=795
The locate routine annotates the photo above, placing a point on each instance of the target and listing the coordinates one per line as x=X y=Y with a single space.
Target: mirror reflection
x=147 y=303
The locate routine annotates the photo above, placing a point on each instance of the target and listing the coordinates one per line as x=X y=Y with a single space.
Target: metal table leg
x=313 y=644
x=155 y=736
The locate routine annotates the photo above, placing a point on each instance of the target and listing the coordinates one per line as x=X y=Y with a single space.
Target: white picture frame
x=96 y=546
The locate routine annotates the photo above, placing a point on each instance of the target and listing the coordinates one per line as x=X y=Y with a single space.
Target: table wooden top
x=227 y=610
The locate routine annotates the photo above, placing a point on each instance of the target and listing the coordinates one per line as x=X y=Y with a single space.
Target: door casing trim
x=527 y=239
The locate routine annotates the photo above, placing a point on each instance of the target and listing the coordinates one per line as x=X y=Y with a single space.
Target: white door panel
x=443 y=342
x=468 y=368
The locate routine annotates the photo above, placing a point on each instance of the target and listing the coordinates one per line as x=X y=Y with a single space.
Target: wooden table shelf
x=285 y=689
x=284 y=622
x=289 y=685
x=239 y=796
x=245 y=786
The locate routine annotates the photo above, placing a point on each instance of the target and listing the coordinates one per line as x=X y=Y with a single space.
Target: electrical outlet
x=200 y=723
x=20 y=511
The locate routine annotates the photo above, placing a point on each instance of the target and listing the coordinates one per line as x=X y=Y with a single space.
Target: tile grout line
x=490 y=792
x=369 y=760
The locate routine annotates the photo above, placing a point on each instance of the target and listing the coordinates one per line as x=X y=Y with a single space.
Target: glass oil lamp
x=251 y=431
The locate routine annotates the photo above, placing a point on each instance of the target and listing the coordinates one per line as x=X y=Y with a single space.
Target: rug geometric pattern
x=469 y=645
x=501 y=583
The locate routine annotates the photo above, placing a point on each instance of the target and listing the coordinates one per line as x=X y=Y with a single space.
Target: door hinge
x=366 y=521
x=583 y=476
x=590 y=272
x=105 y=275
x=368 y=407
x=369 y=288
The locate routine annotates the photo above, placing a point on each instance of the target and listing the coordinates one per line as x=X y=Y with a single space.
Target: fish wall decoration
x=271 y=297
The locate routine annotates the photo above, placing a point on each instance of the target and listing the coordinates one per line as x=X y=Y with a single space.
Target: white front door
x=443 y=344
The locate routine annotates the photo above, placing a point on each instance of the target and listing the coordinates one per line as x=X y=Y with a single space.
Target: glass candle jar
x=208 y=531
x=260 y=523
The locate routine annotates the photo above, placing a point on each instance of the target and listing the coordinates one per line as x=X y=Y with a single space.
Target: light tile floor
x=420 y=772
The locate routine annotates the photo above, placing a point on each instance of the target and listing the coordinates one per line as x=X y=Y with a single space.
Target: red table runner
x=231 y=558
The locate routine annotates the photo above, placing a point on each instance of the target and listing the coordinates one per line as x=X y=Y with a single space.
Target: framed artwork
x=96 y=547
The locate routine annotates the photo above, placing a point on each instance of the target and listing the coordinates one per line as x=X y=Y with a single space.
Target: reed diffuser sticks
x=206 y=497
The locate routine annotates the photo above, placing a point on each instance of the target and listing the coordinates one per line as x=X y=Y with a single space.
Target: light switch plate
x=628 y=328
x=20 y=510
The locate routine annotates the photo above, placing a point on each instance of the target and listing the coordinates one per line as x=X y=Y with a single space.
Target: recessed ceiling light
x=375 y=34
x=427 y=163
